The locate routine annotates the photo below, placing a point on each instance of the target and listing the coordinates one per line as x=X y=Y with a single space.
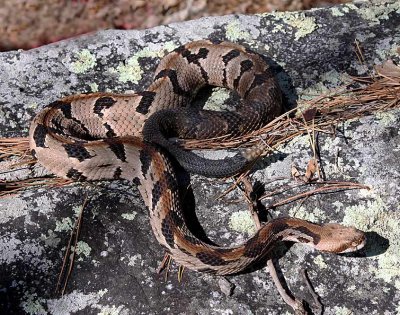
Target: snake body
x=125 y=136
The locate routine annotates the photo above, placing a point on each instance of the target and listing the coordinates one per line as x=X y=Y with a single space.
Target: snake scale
x=125 y=136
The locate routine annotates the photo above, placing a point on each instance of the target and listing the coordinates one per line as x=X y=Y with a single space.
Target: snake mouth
x=357 y=245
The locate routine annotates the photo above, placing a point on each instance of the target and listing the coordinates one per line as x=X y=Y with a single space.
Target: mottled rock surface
x=117 y=255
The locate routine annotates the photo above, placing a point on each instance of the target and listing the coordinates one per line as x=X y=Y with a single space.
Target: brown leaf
x=309 y=114
x=311 y=169
x=388 y=69
x=295 y=172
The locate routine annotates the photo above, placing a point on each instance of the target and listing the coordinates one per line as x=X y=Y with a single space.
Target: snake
x=103 y=136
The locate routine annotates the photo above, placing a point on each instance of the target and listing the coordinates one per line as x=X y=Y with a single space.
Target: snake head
x=336 y=238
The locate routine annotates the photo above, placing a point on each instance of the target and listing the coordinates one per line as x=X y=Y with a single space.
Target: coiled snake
x=100 y=136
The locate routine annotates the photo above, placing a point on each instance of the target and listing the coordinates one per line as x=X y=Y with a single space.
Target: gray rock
x=117 y=255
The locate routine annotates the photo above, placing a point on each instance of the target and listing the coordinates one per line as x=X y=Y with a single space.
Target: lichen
x=110 y=310
x=83 y=249
x=315 y=215
x=234 y=31
x=33 y=305
x=131 y=71
x=303 y=24
x=64 y=225
x=320 y=262
x=50 y=240
x=386 y=119
x=375 y=14
x=241 y=221
x=74 y=302
x=85 y=61
x=327 y=80
x=299 y=141
x=129 y=216
x=94 y=87
x=341 y=310
x=9 y=245
x=11 y=209
x=374 y=216
x=336 y=11
x=134 y=259
x=217 y=99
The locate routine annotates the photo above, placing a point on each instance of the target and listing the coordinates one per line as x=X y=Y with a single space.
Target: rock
x=117 y=255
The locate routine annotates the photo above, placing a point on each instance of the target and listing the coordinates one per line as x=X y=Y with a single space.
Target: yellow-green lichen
x=129 y=216
x=168 y=46
x=320 y=262
x=111 y=310
x=64 y=225
x=50 y=240
x=83 y=248
x=32 y=105
x=315 y=215
x=85 y=61
x=340 y=310
x=33 y=305
x=134 y=259
x=241 y=221
x=299 y=141
x=386 y=48
x=387 y=119
x=331 y=77
x=375 y=13
x=234 y=31
x=336 y=11
x=374 y=216
x=94 y=87
x=303 y=24
x=217 y=99
x=131 y=71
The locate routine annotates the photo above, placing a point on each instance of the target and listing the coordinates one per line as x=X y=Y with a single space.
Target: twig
x=329 y=187
x=294 y=303
x=74 y=232
x=317 y=299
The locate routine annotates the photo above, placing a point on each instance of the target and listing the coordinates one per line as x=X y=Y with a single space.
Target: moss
x=85 y=61
x=234 y=31
x=241 y=221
